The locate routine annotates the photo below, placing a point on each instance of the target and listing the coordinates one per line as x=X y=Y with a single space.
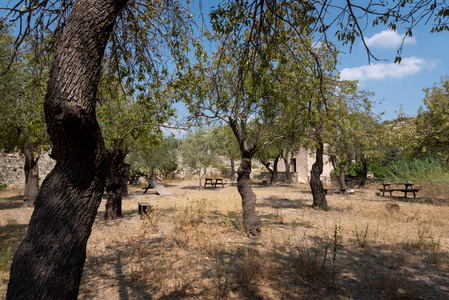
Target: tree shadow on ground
x=117 y=277
x=307 y=192
x=423 y=200
x=313 y=267
x=303 y=272
x=12 y=233
x=10 y=205
x=374 y=271
x=281 y=203
x=11 y=202
x=139 y=194
x=126 y=215
x=191 y=187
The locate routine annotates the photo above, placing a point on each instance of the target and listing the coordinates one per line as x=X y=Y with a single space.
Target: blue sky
x=396 y=87
x=424 y=62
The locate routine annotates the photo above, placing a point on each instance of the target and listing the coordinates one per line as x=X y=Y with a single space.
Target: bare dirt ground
x=192 y=246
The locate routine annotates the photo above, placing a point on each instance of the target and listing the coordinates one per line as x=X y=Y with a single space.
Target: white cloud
x=408 y=66
x=388 y=39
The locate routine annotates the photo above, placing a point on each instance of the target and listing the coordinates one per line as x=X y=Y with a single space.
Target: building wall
x=304 y=160
x=12 y=169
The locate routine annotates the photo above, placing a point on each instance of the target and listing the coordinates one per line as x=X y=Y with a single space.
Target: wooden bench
x=405 y=191
x=213 y=182
x=409 y=188
x=219 y=181
x=144 y=209
x=208 y=181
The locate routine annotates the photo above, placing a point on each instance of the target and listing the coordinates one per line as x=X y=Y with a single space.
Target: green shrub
x=429 y=168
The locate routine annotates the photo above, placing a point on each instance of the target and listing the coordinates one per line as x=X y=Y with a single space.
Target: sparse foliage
x=159 y=159
x=200 y=151
x=22 y=89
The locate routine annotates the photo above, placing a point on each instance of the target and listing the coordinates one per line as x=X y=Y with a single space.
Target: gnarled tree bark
x=250 y=218
x=31 y=177
x=287 y=162
x=232 y=169
x=273 y=171
x=365 y=170
x=316 y=185
x=343 y=170
x=251 y=222
x=114 y=184
x=342 y=167
x=49 y=261
x=124 y=174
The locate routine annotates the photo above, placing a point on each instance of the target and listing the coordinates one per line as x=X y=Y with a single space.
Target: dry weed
x=192 y=247
x=361 y=236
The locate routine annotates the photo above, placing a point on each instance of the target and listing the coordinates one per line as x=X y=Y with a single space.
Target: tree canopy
x=22 y=90
x=428 y=132
x=160 y=159
x=135 y=34
x=200 y=151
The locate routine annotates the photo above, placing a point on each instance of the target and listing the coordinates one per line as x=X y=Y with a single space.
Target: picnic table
x=213 y=182
x=409 y=188
x=157 y=185
x=150 y=186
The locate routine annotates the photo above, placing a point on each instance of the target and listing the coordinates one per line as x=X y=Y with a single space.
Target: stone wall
x=12 y=169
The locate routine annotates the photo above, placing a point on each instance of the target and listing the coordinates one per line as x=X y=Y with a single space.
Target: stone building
x=301 y=165
x=12 y=169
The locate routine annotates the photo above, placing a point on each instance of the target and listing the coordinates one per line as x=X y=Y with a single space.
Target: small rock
x=392 y=207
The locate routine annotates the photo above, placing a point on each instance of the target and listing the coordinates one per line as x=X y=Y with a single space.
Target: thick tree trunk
x=31 y=177
x=200 y=177
x=274 y=176
x=114 y=180
x=232 y=169
x=273 y=171
x=124 y=173
x=365 y=172
x=288 y=174
x=343 y=170
x=269 y=169
x=316 y=185
x=50 y=260
x=250 y=218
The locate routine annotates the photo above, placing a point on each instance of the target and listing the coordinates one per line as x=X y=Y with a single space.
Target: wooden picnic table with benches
x=213 y=182
x=409 y=188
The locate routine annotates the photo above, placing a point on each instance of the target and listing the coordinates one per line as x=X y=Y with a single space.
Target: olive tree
x=69 y=197
x=199 y=151
x=428 y=132
x=51 y=257
x=128 y=122
x=155 y=159
x=22 y=90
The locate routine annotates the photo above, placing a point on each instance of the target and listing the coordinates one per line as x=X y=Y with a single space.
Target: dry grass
x=192 y=246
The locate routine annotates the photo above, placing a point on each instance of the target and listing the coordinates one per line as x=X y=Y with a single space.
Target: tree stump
x=144 y=209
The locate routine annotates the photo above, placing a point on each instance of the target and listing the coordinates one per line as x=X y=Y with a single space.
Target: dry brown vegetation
x=192 y=246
